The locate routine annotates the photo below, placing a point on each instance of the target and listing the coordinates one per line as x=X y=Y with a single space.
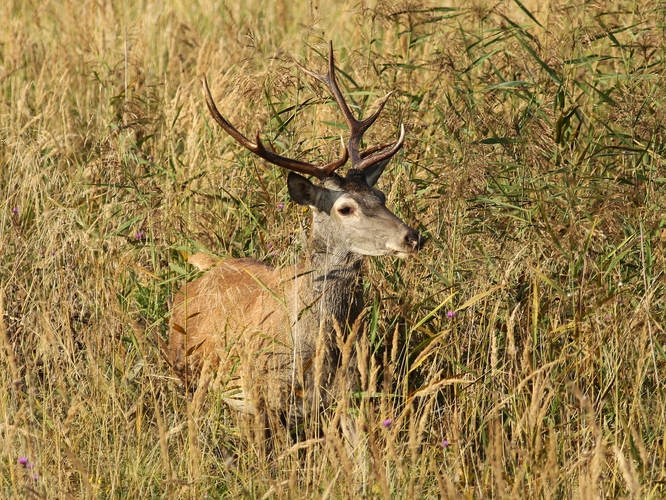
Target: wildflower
x=23 y=461
x=451 y=314
x=269 y=245
x=15 y=210
x=280 y=206
x=140 y=235
x=387 y=422
x=445 y=444
x=35 y=477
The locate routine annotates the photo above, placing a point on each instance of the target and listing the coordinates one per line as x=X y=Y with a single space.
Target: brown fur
x=239 y=304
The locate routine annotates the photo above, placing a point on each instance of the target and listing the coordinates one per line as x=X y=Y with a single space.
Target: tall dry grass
x=520 y=356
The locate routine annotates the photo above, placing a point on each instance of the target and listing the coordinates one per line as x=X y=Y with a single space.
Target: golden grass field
x=520 y=355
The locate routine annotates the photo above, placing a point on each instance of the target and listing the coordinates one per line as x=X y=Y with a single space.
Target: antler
x=319 y=171
x=360 y=159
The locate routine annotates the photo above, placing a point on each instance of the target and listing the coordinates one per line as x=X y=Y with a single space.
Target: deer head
x=350 y=216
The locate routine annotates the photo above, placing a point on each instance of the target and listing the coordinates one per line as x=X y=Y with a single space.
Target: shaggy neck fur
x=333 y=299
x=336 y=287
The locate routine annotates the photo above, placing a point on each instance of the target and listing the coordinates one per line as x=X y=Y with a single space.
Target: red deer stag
x=273 y=335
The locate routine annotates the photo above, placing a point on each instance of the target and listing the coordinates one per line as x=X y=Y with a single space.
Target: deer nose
x=413 y=239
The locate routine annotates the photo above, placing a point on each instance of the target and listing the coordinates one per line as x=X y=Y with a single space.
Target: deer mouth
x=403 y=253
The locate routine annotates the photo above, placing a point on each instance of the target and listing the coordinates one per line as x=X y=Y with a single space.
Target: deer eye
x=345 y=210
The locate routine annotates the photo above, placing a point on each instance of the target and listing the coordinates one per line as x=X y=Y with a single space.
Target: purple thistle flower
x=451 y=314
x=387 y=422
x=15 y=210
x=35 y=477
x=445 y=444
x=23 y=461
x=280 y=206
x=29 y=465
x=140 y=235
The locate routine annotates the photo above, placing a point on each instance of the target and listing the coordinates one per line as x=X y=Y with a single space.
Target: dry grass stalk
x=628 y=473
x=495 y=453
x=6 y=344
x=549 y=479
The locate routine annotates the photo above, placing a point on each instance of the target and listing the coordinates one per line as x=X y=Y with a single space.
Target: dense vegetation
x=520 y=355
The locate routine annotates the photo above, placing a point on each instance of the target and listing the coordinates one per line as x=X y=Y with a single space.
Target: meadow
x=521 y=354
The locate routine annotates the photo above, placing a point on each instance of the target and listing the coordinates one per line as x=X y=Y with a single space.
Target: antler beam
x=319 y=171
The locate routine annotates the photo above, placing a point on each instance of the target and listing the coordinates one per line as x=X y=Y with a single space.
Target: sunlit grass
x=519 y=356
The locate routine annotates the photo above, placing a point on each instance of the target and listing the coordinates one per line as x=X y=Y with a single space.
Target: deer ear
x=373 y=172
x=301 y=190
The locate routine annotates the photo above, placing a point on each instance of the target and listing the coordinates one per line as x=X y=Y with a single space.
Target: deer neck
x=336 y=286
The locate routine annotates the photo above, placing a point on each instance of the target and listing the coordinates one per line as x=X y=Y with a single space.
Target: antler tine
x=356 y=127
x=373 y=149
x=330 y=82
x=383 y=155
x=319 y=171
